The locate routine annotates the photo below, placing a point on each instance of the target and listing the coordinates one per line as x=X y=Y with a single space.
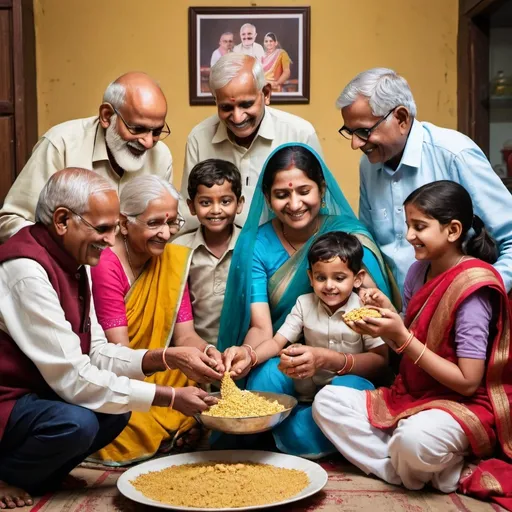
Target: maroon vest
x=18 y=374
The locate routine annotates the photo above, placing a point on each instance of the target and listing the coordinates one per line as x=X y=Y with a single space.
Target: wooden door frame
x=473 y=69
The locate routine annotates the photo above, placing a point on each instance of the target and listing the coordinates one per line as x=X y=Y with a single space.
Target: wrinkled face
x=295 y=199
x=386 y=141
x=226 y=42
x=270 y=44
x=333 y=282
x=248 y=36
x=82 y=241
x=151 y=230
x=216 y=207
x=428 y=237
x=141 y=114
x=241 y=106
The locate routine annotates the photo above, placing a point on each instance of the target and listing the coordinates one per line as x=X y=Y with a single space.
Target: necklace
x=288 y=241
x=129 y=259
x=459 y=260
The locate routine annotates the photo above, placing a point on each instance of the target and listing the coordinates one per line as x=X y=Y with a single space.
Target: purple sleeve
x=472 y=325
x=413 y=282
x=109 y=287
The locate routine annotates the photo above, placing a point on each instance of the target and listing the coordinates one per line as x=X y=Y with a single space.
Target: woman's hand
x=237 y=361
x=374 y=297
x=300 y=361
x=390 y=328
x=193 y=363
x=213 y=353
x=191 y=400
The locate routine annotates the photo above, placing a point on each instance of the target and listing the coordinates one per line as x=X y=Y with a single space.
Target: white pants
x=426 y=447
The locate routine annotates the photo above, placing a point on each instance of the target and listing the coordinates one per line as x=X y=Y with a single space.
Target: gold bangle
x=252 y=353
x=421 y=354
x=341 y=371
x=171 y=405
x=401 y=348
x=163 y=359
x=352 y=363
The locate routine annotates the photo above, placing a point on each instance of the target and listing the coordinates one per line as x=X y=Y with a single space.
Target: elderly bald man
x=65 y=392
x=121 y=142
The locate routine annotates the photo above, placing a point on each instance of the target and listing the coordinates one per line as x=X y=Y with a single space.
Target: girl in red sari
x=451 y=398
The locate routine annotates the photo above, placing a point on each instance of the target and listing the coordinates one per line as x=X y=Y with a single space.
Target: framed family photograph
x=279 y=37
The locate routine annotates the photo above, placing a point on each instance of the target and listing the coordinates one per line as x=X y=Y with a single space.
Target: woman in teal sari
x=296 y=200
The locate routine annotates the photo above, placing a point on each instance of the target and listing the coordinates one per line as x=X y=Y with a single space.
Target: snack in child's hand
x=360 y=313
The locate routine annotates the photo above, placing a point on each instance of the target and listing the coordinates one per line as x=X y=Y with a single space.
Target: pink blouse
x=109 y=288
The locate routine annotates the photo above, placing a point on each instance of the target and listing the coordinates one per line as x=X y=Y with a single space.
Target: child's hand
x=299 y=361
x=390 y=327
x=374 y=297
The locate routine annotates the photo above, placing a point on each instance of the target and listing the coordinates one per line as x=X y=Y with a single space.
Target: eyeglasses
x=101 y=230
x=157 y=224
x=141 y=131
x=362 y=133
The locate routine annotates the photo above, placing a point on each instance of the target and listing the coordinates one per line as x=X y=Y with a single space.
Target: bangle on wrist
x=163 y=359
x=173 y=392
x=208 y=347
x=253 y=355
x=341 y=371
x=402 y=347
x=421 y=353
x=352 y=363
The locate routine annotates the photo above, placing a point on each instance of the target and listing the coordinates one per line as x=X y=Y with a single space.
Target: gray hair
x=139 y=192
x=229 y=67
x=247 y=25
x=115 y=94
x=384 y=88
x=70 y=188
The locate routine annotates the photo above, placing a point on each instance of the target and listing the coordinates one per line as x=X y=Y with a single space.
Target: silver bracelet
x=208 y=347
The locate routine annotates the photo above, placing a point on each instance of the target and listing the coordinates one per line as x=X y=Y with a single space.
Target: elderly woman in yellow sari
x=141 y=298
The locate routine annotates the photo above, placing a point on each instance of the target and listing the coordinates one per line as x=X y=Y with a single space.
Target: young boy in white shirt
x=330 y=347
x=215 y=192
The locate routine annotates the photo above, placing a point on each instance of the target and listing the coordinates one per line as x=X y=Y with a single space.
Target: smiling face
x=295 y=199
x=430 y=239
x=387 y=141
x=216 y=207
x=270 y=44
x=247 y=35
x=241 y=106
x=151 y=231
x=82 y=241
x=333 y=282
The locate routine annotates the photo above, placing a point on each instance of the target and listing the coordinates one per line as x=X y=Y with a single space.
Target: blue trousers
x=45 y=439
x=298 y=434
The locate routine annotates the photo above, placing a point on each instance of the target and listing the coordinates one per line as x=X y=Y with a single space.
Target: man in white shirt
x=249 y=46
x=123 y=141
x=245 y=129
x=225 y=46
x=65 y=392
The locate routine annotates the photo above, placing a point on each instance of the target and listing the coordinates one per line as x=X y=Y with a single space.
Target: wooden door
x=18 y=106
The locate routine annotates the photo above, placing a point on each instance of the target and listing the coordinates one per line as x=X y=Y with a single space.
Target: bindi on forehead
x=290 y=184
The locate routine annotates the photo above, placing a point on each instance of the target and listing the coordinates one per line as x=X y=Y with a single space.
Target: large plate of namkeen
x=225 y=480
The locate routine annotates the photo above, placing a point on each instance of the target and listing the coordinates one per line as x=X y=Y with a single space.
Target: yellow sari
x=152 y=306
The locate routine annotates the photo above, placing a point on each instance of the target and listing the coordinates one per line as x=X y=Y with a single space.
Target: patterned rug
x=348 y=490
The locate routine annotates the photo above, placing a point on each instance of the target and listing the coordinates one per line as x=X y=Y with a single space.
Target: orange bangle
x=401 y=348
x=353 y=363
x=172 y=399
x=341 y=371
x=164 y=361
x=421 y=354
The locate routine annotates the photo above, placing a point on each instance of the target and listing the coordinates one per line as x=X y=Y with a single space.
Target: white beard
x=119 y=149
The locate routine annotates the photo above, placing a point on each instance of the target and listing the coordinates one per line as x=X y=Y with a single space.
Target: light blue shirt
x=433 y=154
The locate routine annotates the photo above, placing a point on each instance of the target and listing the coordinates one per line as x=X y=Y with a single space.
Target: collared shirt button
x=399 y=236
x=399 y=209
x=77 y=275
x=81 y=299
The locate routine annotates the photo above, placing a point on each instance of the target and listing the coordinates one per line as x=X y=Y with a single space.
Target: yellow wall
x=84 y=44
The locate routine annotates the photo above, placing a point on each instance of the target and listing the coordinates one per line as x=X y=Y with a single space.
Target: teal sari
x=290 y=280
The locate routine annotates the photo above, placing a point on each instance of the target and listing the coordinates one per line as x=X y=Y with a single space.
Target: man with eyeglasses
x=400 y=154
x=123 y=141
x=65 y=392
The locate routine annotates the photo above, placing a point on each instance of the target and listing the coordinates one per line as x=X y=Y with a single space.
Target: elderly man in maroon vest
x=64 y=391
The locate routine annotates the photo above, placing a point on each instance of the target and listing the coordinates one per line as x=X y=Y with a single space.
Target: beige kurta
x=76 y=143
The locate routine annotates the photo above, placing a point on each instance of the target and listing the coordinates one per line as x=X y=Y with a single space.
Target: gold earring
x=323 y=205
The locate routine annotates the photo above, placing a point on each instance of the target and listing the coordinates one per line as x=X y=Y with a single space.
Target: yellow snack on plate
x=360 y=313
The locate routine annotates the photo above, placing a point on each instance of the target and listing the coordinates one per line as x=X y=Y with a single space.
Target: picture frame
x=282 y=42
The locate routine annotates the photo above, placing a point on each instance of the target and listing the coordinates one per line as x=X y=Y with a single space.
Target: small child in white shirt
x=330 y=347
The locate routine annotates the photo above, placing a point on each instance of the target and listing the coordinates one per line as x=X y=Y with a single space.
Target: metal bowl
x=251 y=424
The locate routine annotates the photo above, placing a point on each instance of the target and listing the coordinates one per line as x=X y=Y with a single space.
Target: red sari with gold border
x=485 y=416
